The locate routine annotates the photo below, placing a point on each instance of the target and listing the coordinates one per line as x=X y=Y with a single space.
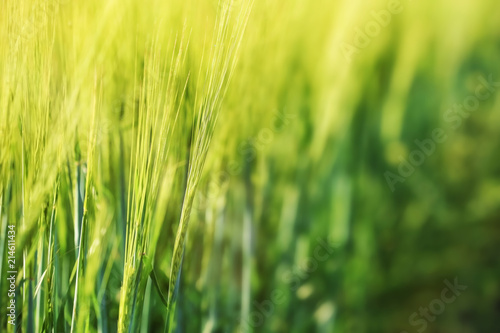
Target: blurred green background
x=353 y=173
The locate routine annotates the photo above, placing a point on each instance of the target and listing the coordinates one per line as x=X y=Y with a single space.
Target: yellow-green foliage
x=166 y=163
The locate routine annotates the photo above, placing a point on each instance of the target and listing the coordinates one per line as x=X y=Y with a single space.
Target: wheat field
x=249 y=166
